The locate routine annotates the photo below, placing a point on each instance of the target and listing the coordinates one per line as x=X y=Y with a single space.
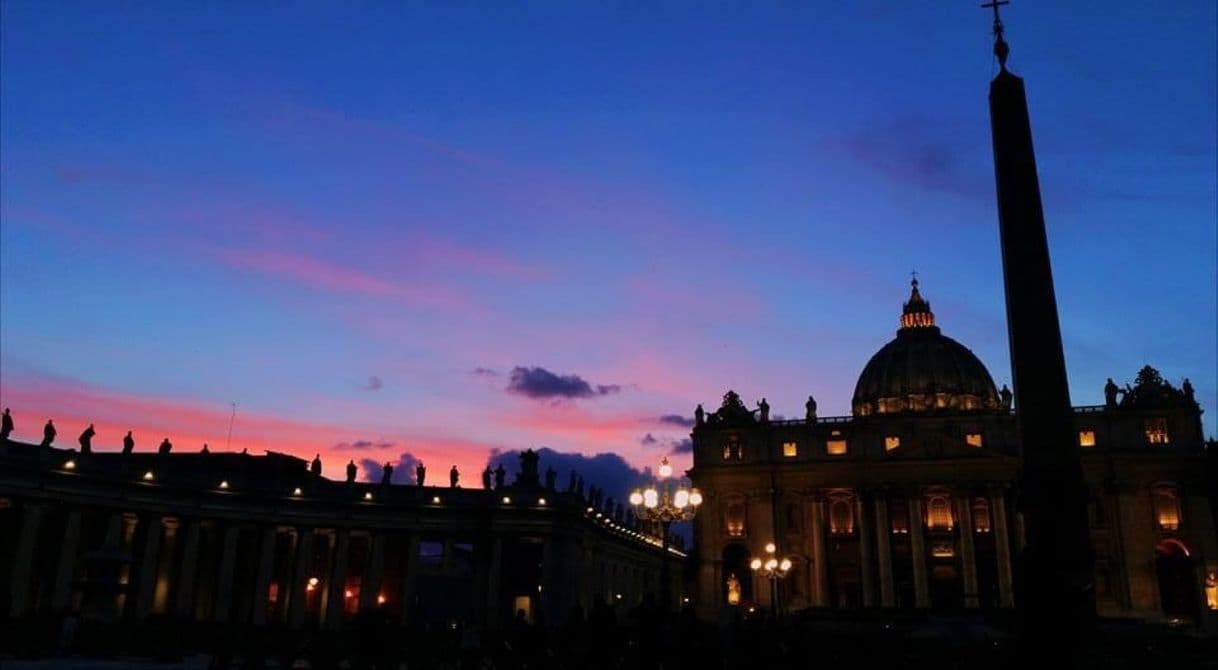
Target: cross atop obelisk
x=1001 y=50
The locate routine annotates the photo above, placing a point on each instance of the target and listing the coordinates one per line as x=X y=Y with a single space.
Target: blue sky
x=334 y=215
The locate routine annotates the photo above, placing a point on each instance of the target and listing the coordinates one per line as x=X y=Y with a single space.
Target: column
x=820 y=571
x=303 y=569
x=262 y=581
x=968 y=553
x=23 y=559
x=412 y=569
x=865 y=537
x=370 y=583
x=146 y=589
x=164 y=580
x=186 y=572
x=883 y=550
x=1002 y=545
x=917 y=545
x=65 y=570
x=336 y=601
x=493 y=570
x=224 y=579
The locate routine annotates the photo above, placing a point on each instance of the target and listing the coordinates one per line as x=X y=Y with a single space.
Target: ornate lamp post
x=664 y=502
x=773 y=569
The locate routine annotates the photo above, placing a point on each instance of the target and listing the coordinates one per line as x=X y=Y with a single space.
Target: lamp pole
x=773 y=569
x=663 y=502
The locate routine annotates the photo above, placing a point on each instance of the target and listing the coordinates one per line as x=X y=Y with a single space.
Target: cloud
x=677 y=420
x=363 y=444
x=683 y=446
x=484 y=372
x=541 y=383
x=607 y=471
x=374 y=384
x=403 y=469
x=648 y=440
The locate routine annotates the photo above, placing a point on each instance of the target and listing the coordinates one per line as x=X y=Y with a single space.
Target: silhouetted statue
x=571 y=483
x=245 y=451
x=810 y=410
x=166 y=446
x=550 y=477
x=1110 y=393
x=420 y=474
x=500 y=474
x=453 y=477
x=1187 y=388
x=699 y=415
x=315 y=466
x=6 y=425
x=205 y=450
x=352 y=470
x=486 y=478
x=386 y=474
x=579 y=486
x=86 y=440
x=764 y=408
x=128 y=443
x=48 y=433
x=1005 y=396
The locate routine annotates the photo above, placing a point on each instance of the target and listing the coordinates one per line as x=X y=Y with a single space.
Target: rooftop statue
x=699 y=415
x=86 y=440
x=763 y=408
x=48 y=433
x=420 y=474
x=314 y=467
x=128 y=443
x=1151 y=390
x=165 y=447
x=386 y=474
x=1005 y=397
x=500 y=475
x=732 y=411
x=6 y=425
x=453 y=477
x=352 y=470
x=810 y=410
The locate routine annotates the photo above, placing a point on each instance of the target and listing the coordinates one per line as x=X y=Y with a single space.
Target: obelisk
x=1054 y=575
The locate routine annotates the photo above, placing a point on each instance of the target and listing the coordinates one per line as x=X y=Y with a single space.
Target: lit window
x=891 y=442
x=835 y=447
x=732 y=449
x=841 y=517
x=790 y=449
x=973 y=439
x=1167 y=509
x=1156 y=431
x=942 y=550
x=1086 y=438
x=1211 y=591
x=981 y=516
x=734 y=518
x=899 y=520
x=940 y=514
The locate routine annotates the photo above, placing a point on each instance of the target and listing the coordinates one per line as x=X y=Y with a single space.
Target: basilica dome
x=923 y=370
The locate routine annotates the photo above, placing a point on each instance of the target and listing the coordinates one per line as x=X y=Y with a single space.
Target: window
x=1167 y=509
x=733 y=518
x=841 y=517
x=1156 y=431
x=939 y=513
x=981 y=515
x=836 y=447
x=790 y=449
x=898 y=519
x=891 y=442
x=431 y=554
x=1086 y=438
x=973 y=439
x=732 y=449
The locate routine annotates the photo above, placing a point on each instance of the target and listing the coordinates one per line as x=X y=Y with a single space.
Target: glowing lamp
x=785 y=564
x=541 y=502
x=148 y=476
x=380 y=599
x=507 y=500
x=680 y=499
x=368 y=495
x=312 y=583
x=636 y=497
x=435 y=500
x=296 y=491
x=224 y=484
x=348 y=594
x=70 y=465
x=770 y=548
x=651 y=498
x=665 y=468
x=756 y=564
x=695 y=497
x=771 y=564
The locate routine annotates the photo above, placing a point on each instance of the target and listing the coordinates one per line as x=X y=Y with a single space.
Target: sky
x=445 y=231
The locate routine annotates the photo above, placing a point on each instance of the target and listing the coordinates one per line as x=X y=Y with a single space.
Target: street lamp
x=773 y=569
x=664 y=502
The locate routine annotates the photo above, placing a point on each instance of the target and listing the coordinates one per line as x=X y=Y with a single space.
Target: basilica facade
x=911 y=502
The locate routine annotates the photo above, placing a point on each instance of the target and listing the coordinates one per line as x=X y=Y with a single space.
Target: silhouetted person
x=128 y=443
x=699 y=415
x=386 y=474
x=420 y=474
x=1110 y=393
x=500 y=474
x=6 y=425
x=764 y=408
x=166 y=446
x=1005 y=395
x=810 y=410
x=352 y=470
x=86 y=440
x=48 y=433
x=315 y=466
x=453 y=477
x=550 y=477
x=486 y=478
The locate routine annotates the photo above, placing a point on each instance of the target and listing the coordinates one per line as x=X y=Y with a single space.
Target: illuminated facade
x=197 y=539
x=910 y=502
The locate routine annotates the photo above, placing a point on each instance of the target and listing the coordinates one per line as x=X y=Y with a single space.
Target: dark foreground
x=643 y=642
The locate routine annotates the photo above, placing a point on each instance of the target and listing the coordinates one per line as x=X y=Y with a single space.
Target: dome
x=923 y=370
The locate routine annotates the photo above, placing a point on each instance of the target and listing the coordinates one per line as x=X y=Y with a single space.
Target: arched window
x=981 y=515
x=841 y=517
x=733 y=517
x=1167 y=508
x=733 y=450
x=939 y=513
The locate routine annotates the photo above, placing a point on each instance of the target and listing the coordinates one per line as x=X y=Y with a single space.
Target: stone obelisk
x=1054 y=577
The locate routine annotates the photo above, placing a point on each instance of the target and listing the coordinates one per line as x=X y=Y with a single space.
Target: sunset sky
x=430 y=230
